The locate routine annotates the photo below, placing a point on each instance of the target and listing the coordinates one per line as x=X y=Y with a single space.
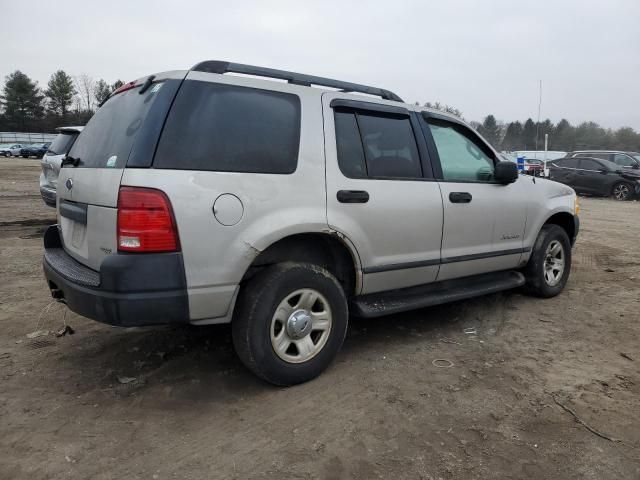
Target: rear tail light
x=145 y=221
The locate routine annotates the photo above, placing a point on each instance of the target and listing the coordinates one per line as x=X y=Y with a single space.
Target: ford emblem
x=69 y=184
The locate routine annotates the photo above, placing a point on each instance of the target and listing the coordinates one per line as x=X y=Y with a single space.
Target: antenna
x=539 y=108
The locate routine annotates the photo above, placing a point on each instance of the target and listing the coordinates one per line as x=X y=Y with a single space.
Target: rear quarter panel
x=274 y=206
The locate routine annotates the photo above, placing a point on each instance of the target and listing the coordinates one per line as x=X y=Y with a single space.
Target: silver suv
x=206 y=197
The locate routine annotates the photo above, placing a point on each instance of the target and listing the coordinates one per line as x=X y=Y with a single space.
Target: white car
x=12 y=149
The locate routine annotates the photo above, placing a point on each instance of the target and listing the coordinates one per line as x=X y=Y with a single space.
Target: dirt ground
x=176 y=403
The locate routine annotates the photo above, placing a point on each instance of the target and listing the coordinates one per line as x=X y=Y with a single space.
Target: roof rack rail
x=217 y=66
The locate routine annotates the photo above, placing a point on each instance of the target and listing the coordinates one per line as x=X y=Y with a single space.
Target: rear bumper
x=130 y=290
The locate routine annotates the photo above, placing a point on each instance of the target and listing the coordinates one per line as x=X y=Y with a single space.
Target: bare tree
x=86 y=88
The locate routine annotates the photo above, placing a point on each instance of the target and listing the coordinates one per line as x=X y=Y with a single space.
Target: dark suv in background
x=595 y=176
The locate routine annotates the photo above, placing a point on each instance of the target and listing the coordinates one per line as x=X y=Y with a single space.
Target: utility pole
x=539 y=108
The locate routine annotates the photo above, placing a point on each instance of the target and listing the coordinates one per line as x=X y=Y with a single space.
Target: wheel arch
x=328 y=249
x=565 y=220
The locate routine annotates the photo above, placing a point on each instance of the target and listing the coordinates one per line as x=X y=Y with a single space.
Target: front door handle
x=460 y=197
x=352 y=196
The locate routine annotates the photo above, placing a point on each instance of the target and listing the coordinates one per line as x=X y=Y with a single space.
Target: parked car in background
x=199 y=197
x=595 y=176
x=12 y=150
x=37 y=150
x=52 y=161
x=621 y=158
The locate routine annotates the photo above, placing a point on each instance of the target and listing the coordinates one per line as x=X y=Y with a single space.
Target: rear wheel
x=621 y=191
x=549 y=266
x=290 y=322
x=7 y=154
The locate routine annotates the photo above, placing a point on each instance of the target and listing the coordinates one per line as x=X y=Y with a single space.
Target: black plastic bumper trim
x=134 y=289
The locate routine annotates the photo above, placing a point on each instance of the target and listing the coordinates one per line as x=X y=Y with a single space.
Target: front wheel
x=7 y=154
x=621 y=191
x=549 y=266
x=290 y=322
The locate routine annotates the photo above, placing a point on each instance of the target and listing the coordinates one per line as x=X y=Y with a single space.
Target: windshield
x=107 y=139
x=636 y=156
x=62 y=143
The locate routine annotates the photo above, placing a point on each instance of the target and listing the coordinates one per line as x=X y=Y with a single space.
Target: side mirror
x=505 y=172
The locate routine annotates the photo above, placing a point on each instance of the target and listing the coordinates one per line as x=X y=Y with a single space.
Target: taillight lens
x=145 y=221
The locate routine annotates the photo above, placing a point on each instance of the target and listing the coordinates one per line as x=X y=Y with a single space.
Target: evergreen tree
x=60 y=93
x=513 y=137
x=22 y=102
x=490 y=130
x=528 y=135
x=563 y=137
x=116 y=85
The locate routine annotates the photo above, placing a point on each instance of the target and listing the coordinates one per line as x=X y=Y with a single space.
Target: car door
x=484 y=221
x=564 y=171
x=381 y=194
x=589 y=176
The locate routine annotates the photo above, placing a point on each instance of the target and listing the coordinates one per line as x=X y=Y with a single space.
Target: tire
x=25 y=156
x=539 y=280
x=264 y=320
x=7 y=154
x=622 y=191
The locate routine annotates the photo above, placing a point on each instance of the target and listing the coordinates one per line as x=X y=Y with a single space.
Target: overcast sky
x=479 y=56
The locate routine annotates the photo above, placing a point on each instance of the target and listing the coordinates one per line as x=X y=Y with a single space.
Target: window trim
x=433 y=150
x=380 y=110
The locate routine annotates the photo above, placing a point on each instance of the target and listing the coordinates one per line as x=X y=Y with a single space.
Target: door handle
x=352 y=196
x=460 y=197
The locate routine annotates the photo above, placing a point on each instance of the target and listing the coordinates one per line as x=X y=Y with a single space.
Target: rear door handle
x=460 y=197
x=352 y=196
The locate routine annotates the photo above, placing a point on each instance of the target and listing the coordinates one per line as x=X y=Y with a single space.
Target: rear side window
x=227 y=128
x=62 y=143
x=107 y=139
x=376 y=146
x=567 y=163
x=588 y=164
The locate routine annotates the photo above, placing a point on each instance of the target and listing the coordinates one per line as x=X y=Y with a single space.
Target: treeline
x=66 y=100
x=563 y=136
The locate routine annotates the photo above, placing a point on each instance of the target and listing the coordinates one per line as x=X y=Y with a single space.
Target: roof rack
x=217 y=66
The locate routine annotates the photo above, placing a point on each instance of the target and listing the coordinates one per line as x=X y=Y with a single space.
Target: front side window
x=463 y=158
x=624 y=160
x=227 y=128
x=376 y=145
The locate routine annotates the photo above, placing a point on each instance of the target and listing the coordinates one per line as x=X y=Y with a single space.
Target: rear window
x=228 y=128
x=62 y=143
x=107 y=139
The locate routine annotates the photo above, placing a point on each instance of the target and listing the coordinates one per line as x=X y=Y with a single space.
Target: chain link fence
x=18 y=137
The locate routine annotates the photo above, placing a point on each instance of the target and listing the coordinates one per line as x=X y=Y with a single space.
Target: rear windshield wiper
x=68 y=160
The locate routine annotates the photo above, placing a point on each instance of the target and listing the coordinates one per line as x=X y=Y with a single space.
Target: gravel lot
x=176 y=403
